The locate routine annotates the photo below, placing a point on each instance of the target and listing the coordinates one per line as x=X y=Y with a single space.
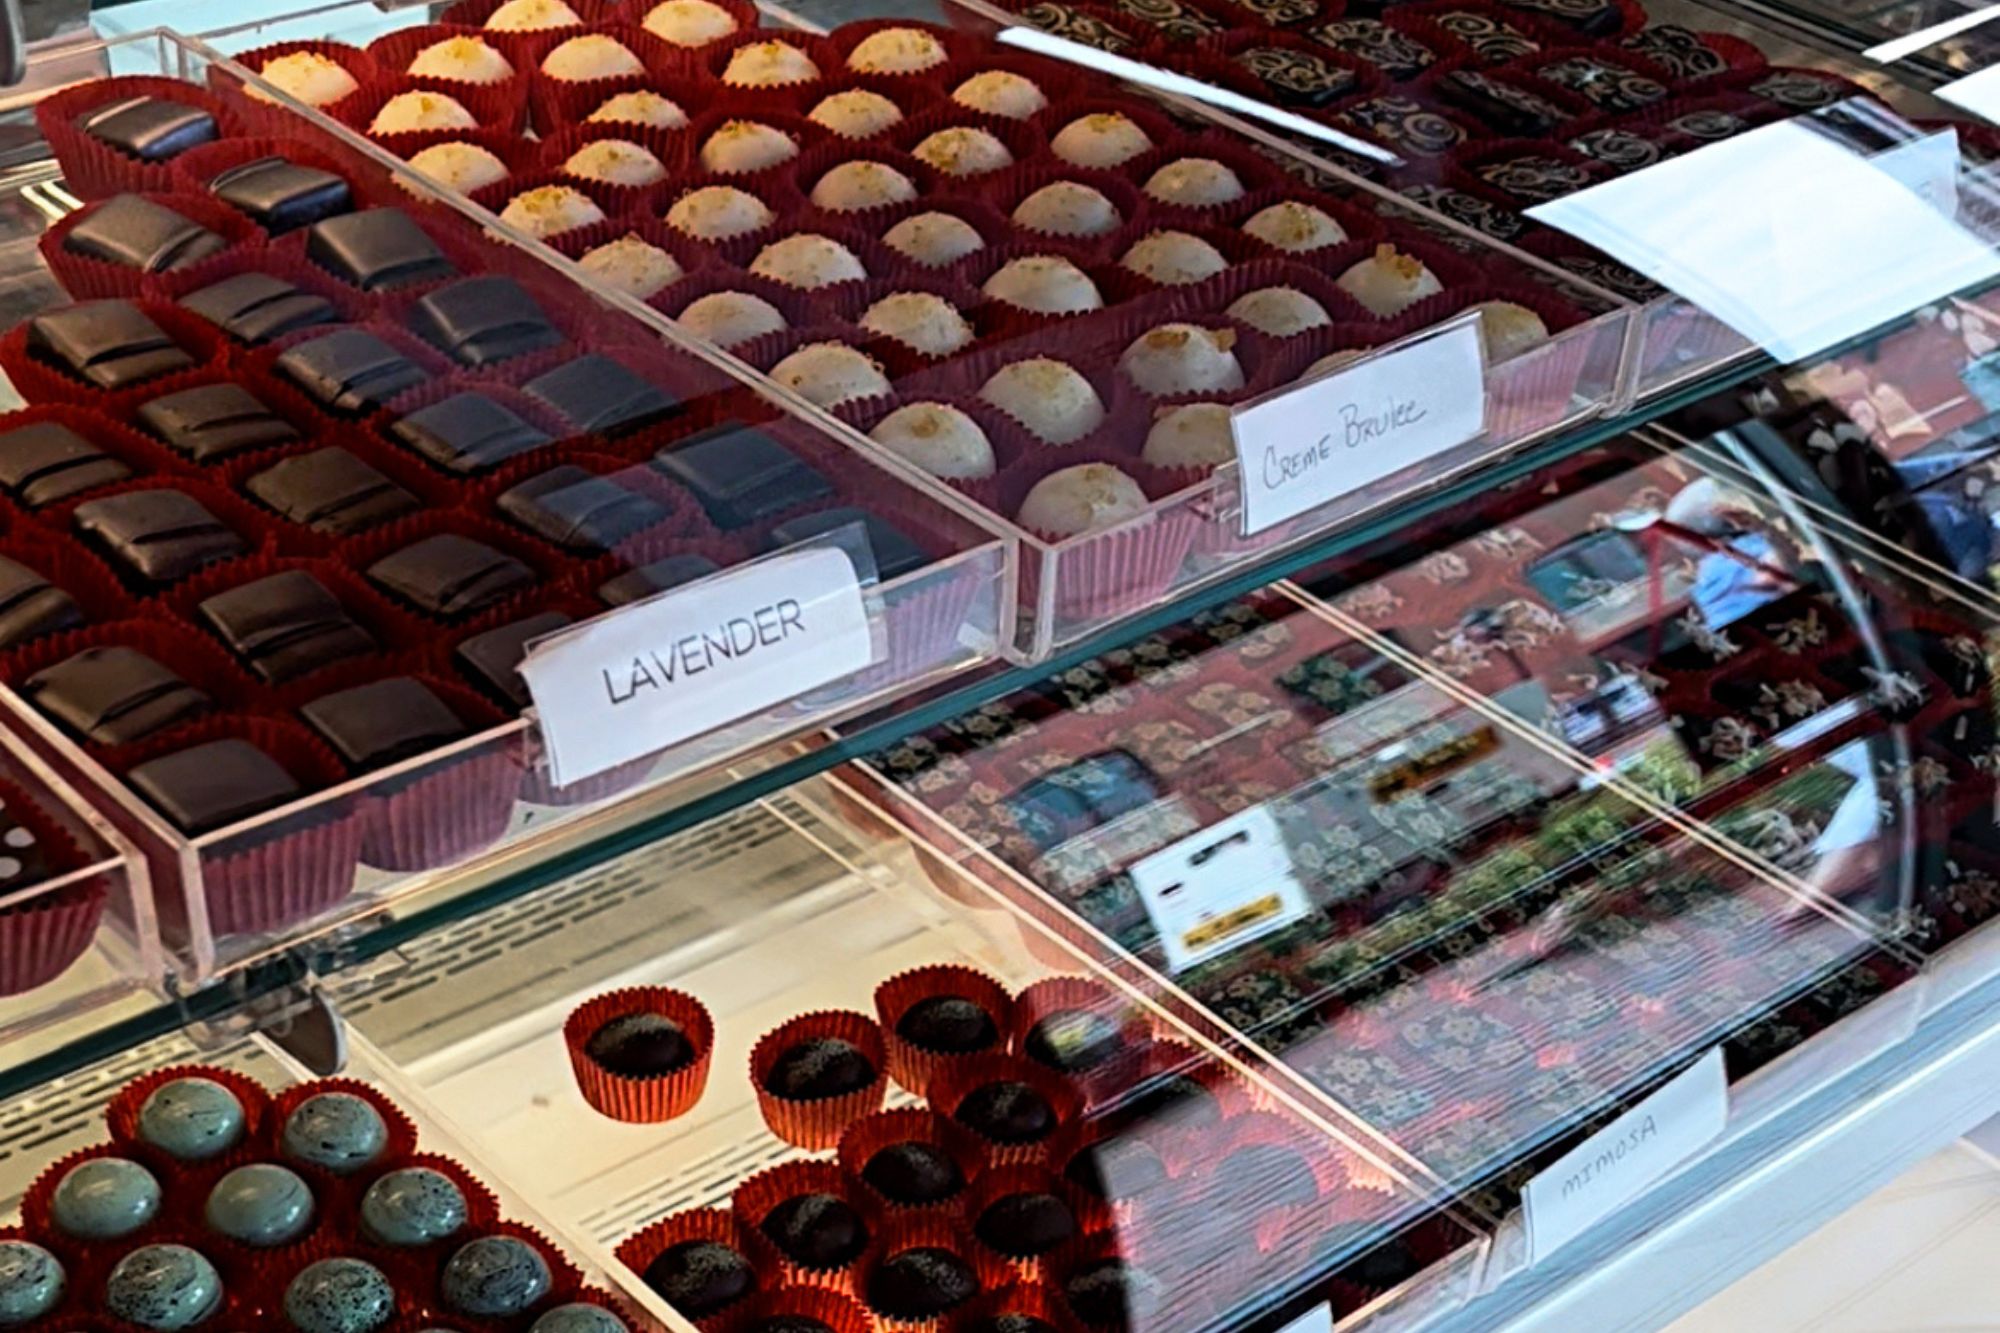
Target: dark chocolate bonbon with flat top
x=578 y=510
x=349 y=370
x=330 y=490
x=468 y=432
x=450 y=576
x=212 y=421
x=478 y=321
x=256 y=307
x=157 y=535
x=112 y=344
x=31 y=606
x=493 y=657
x=596 y=393
x=285 y=625
x=282 y=196
x=45 y=461
x=113 y=695
x=134 y=232
x=378 y=249
x=660 y=576
x=384 y=721
x=741 y=475
x=152 y=129
x=895 y=553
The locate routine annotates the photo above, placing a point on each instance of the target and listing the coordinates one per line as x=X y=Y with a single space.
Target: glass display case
x=1169 y=924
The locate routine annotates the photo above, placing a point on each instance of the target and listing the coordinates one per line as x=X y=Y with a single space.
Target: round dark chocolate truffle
x=820 y=1067
x=816 y=1230
x=1111 y=1293
x=1174 y=1100
x=921 y=1283
x=1268 y=1175
x=913 y=1173
x=948 y=1023
x=640 y=1045
x=1071 y=1041
x=1116 y=1169
x=1010 y=1321
x=699 y=1277
x=1007 y=1112
x=1025 y=1224
x=789 y=1323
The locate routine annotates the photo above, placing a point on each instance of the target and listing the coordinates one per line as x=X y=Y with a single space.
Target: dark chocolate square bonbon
x=134 y=232
x=285 y=625
x=46 y=461
x=111 y=344
x=579 y=510
x=153 y=129
x=350 y=370
x=1391 y=50
x=113 y=695
x=1298 y=78
x=256 y=307
x=31 y=606
x=493 y=658
x=209 y=786
x=895 y=553
x=377 y=249
x=212 y=421
x=383 y=722
x=450 y=576
x=595 y=393
x=157 y=535
x=741 y=475
x=1512 y=110
x=282 y=196
x=478 y=321
x=660 y=576
x=330 y=490
x=468 y=432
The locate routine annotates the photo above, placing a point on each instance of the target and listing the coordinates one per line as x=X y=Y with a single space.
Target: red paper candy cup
x=1021 y=1258
x=913 y=1065
x=816 y=1123
x=697 y=1224
x=759 y=1194
x=906 y=1124
x=123 y=1116
x=878 y=1289
x=635 y=1099
x=957 y=1093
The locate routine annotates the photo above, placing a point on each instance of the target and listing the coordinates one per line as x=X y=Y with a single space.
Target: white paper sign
x=1220 y=888
x=1319 y=1319
x=1816 y=244
x=696 y=658
x=1298 y=449
x=1615 y=1165
x=1978 y=93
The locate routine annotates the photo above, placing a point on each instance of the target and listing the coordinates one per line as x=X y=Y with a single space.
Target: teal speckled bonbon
x=340 y=1296
x=31 y=1282
x=192 y=1119
x=261 y=1205
x=335 y=1130
x=104 y=1198
x=413 y=1206
x=163 y=1287
x=494 y=1277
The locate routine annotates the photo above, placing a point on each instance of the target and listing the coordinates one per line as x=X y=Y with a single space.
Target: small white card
x=1220 y=888
x=1349 y=428
x=699 y=657
x=1319 y=1319
x=1978 y=93
x=1615 y=1165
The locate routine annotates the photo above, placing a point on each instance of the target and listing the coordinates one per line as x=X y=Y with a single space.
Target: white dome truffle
x=853 y=186
x=422 y=110
x=689 y=22
x=310 y=77
x=1507 y=329
x=731 y=318
x=897 y=51
x=591 y=56
x=1102 y=139
x=633 y=265
x=1192 y=435
x=550 y=210
x=1334 y=361
x=1279 y=311
x=1068 y=208
x=1173 y=258
x=1001 y=92
x=739 y=147
x=963 y=150
x=468 y=59
x=1045 y=284
x=1389 y=282
x=1183 y=358
x=1194 y=182
x=830 y=373
x=856 y=113
x=934 y=239
x=644 y=107
x=921 y=320
x=718 y=213
x=1294 y=227
x=808 y=260
x=616 y=162
x=464 y=167
x=768 y=65
x=1080 y=499
x=938 y=438
x=1052 y=399
x=532 y=16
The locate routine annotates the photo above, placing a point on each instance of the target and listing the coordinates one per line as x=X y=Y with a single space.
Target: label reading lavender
x=1317 y=441
x=688 y=661
x=1615 y=1165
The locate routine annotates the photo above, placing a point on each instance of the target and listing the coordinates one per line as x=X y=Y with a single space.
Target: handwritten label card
x=1221 y=887
x=1315 y=442
x=697 y=658
x=1617 y=1163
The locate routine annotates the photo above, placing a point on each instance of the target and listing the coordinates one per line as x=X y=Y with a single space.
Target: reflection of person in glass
x=1746 y=563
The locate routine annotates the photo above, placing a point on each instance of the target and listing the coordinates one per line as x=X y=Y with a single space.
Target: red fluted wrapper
x=816 y=1123
x=653 y=1098
x=912 y=1064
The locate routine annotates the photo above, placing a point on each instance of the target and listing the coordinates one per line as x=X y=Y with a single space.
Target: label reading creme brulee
x=1349 y=428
